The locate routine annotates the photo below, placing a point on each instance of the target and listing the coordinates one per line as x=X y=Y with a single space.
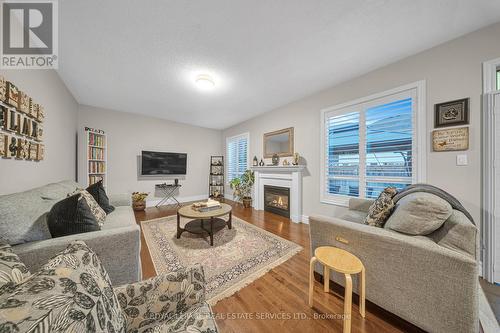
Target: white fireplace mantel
x=284 y=176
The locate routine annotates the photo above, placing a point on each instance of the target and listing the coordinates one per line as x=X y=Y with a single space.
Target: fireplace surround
x=282 y=176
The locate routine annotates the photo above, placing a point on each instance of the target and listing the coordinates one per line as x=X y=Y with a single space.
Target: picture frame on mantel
x=453 y=113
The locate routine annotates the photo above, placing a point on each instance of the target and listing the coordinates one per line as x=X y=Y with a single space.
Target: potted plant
x=139 y=200
x=242 y=187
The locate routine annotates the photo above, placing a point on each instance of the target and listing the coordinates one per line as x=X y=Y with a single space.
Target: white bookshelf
x=96 y=153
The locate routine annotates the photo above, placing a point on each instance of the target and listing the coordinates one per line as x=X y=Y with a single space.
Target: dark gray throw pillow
x=419 y=213
x=99 y=193
x=71 y=216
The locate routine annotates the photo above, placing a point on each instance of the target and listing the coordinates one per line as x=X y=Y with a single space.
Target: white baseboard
x=305 y=219
x=154 y=202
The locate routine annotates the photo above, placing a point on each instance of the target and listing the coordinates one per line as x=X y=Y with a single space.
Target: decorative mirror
x=279 y=142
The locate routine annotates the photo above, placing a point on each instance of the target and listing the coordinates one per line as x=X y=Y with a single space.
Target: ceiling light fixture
x=205 y=82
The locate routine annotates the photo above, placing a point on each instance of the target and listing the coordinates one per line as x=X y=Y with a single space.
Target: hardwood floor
x=277 y=302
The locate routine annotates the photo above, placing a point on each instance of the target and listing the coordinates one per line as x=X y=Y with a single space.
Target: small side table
x=168 y=193
x=343 y=262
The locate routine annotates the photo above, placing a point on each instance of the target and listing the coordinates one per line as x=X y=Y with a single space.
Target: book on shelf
x=95 y=153
x=94 y=179
x=96 y=140
x=97 y=166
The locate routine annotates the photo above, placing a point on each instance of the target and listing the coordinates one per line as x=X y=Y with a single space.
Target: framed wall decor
x=33 y=151
x=3 y=89
x=451 y=113
x=450 y=139
x=21 y=124
x=3 y=144
x=12 y=95
x=24 y=102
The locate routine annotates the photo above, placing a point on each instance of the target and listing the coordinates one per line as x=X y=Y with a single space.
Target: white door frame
x=491 y=186
x=491 y=162
x=490 y=75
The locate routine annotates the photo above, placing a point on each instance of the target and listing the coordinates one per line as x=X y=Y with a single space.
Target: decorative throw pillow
x=419 y=213
x=99 y=194
x=99 y=213
x=71 y=293
x=381 y=208
x=12 y=270
x=71 y=216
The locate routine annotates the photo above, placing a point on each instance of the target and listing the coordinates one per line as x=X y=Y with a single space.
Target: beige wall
x=451 y=70
x=46 y=88
x=129 y=134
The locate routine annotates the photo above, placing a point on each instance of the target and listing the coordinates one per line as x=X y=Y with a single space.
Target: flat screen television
x=159 y=163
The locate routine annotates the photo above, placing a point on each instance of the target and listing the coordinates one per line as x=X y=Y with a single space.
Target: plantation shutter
x=343 y=154
x=369 y=146
x=237 y=156
x=389 y=146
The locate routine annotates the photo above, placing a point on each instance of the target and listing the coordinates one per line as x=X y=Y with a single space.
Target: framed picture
x=3 y=144
x=22 y=149
x=33 y=151
x=3 y=89
x=40 y=154
x=11 y=146
x=451 y=113
x=3 y=117
x=12 y=95
x=24 y=102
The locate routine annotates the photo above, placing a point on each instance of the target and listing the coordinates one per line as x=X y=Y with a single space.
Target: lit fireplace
x=277 y=200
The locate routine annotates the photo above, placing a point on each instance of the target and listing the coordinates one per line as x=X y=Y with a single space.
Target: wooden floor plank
x=277 y=302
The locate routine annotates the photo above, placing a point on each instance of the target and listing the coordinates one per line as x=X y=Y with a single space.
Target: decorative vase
x=139 y=205
x=247 y=202
x=275 y=159
x=261 y=163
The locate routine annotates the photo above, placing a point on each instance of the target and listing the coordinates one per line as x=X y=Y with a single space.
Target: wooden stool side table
x=345 y=263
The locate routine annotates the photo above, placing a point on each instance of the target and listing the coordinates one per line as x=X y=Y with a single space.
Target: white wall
x=46 y=88
x=129 y=134
x=451 y=70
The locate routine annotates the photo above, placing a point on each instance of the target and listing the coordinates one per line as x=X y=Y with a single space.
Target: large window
x=372 y=143
x=236 y=155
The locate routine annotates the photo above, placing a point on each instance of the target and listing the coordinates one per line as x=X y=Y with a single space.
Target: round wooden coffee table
x=204 y=222
x=345 y=263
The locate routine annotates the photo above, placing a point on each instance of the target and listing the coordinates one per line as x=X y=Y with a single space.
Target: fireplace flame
x=280 y=201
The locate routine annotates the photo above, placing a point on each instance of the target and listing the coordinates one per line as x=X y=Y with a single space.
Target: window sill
x=342 y=201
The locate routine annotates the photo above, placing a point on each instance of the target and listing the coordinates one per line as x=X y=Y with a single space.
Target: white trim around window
x=419 y=136
x=490 y=69
x=237 y=138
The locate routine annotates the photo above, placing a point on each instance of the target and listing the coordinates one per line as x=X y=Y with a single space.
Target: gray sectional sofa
x=430 y=281
x=23 y=225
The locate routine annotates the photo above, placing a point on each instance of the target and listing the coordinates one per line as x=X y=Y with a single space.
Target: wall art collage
x=21 y=124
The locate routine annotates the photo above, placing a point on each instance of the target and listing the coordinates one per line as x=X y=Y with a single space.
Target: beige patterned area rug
x=239 y=256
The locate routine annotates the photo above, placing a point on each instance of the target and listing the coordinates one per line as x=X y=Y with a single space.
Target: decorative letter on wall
x=21 y=124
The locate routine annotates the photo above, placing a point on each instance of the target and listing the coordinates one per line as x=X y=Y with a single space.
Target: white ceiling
x=142 y=56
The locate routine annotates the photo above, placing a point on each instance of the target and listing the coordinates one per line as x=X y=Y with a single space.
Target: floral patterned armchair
x=73 y=293
x=173 y=302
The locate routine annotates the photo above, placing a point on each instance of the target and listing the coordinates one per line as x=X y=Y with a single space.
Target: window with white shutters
x=236 y=155
x=369 y=145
